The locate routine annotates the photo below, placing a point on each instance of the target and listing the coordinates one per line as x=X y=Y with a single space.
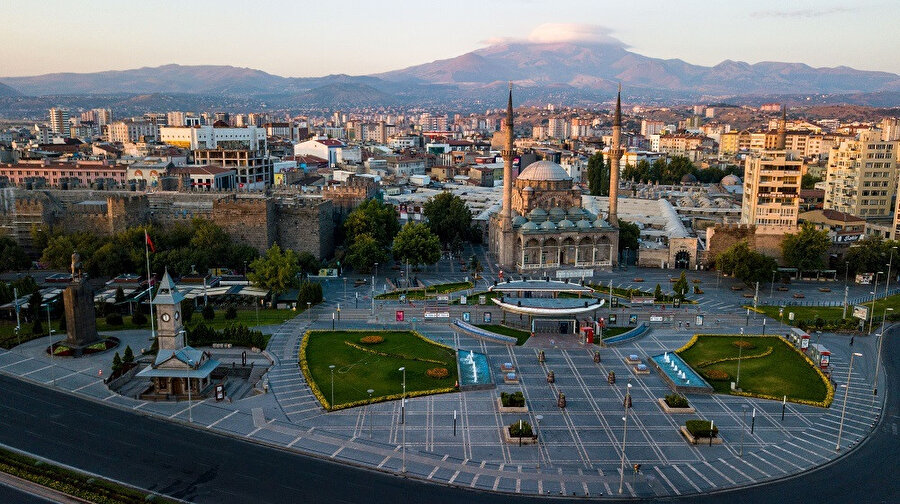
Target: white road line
x=14 y=363
x=720 y=473
x=339 y=450
x=39 y=369
x=736 y=469
x=685 y=477
x=663 y=476
x=86 y=386
x=173 y=415
x=752 y=454
x=452 y=478
x=692 y=468
x=210 y=426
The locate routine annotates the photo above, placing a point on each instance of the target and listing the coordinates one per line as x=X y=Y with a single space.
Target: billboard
x=861 y=312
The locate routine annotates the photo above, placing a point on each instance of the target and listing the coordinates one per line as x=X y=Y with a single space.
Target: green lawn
x=520 y=335
x=783 y=372
x=473 y=299
x=358 y=370
x=427 y=292
x=609 y=332
x=248 y=317
x=834 y=313
x=8 y=333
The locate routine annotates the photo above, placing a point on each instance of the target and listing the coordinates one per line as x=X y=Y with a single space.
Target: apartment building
x=772 y=190
x=861 y=176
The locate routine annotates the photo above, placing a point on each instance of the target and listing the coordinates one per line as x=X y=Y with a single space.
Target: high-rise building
x=650 y=127
x=558 y=127
x=890 y=129
x=104 y=116
x=861 y=177
x=175 y=118
x=128 y=132
x=772 y=190
x=59 y=121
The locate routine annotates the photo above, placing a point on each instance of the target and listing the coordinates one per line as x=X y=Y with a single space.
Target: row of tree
x=804 y=250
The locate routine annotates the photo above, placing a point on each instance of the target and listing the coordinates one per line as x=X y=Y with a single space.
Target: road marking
x=711 y=484
x=210 y=426
x=663 y=476
x=453 y=478
x=685 y=477
x=339 y=450
x=753 y=454
x=14 y=363
x=39 y=369
x=139 y=405
x=735 y=469
x=88 y=385
x=380 y=464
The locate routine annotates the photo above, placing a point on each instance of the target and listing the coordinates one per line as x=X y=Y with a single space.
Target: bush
x=187 y=311
x=116 y=364
x=523 y=431
x=700 y=428
x=716 y=375
x=230 y=313
x=677 y=401
x=744 y=345
x=438 y=373
x=114 y=319
x=236 y=334
x=516 y=400
x=138 y=318
x=37 y=328
x=128 y=356
x=371 y=340
x=208 y=312
x=310 y=292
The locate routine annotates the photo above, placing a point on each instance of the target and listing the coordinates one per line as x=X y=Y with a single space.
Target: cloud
x=800 y=13
x=550 y=33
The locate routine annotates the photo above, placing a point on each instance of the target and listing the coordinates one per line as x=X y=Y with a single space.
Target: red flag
x=149 y=242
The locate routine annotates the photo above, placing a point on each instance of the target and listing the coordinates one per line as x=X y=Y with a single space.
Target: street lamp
x=368 y=407
x=331 y=367
x=874 y=293
x=846 y=393
x=624 y=433
x=888 y=281
x=737 y=380
x=878 y=360
x=308 y=314
x=743 y=426
x=537 y=437
x=403 y=419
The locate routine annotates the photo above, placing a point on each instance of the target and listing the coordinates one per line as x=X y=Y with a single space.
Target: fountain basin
x=474 y=370
x=679 y=375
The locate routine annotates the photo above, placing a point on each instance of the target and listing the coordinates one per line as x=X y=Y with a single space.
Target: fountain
x=679 y=374
x=474 y=370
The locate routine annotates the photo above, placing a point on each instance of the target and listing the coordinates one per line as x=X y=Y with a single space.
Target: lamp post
x=368 y=407
x=772 y=291
x=887 y=282
x=624 y=434
x=308 y=314
x=874 y=293
x=50 y=332
x=878 y=359
x=403 y=419
x=737 y=380
x=537 y=437
x=846 y=393
x=374 y=275
x=743 y=426
x=331 y=367
x=190 y=399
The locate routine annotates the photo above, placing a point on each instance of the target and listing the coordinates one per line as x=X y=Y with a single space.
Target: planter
x=511 y=409
x=701 y=441
x=514 y=440
x=510 y=378
x=674 y=411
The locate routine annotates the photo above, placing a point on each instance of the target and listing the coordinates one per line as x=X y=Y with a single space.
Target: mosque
x=542 y=224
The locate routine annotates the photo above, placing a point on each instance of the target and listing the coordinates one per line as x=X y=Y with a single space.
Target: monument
x=81 y=319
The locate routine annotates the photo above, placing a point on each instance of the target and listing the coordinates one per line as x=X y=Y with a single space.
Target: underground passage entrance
x=547 y=326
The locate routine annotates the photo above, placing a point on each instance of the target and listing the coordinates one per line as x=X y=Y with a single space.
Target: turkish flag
x=149 y=242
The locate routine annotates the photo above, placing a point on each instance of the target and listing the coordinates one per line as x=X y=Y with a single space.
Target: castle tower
x=615 y=154
x=782 y=130
x=507 y=245
x=167 y=305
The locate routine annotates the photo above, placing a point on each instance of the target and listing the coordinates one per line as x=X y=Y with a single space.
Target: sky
x=303 y=38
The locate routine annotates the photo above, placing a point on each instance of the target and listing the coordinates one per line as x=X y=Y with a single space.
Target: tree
x=308 y=263
x=629 y=235
x=310 y=292
x=805 y=250
x=208 y=312
x=120 y=296
x=116 y=364
x=681 y=286
x=12 y=256
x=416 y=244
x=374 y=218
x=365 y=252
x=868 y=255
x=448 y=217
x=128 y=356
x=230 y=312
x=658 y=293
x=744 y=264
x=809 y=181
x=34 y=305
x=138 y=318
x=277 y=270
x=598 y=175
x=475 y=266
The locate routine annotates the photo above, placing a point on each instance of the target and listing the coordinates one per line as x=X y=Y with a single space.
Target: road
x=199 y=466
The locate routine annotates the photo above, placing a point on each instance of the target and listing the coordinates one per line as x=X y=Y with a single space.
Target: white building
x=325 y=148
x=130 y=132
x=59 y=121
x=208 y=137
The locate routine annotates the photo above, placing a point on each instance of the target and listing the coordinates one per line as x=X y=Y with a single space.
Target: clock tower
x=167 y=305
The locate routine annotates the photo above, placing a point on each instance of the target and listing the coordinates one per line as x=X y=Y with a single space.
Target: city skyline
x=327 y=40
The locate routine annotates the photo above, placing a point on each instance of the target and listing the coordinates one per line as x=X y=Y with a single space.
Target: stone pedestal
x=81 y=320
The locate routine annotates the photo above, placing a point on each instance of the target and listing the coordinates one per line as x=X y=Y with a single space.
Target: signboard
x=656 y=318
x=487 y=317
x=575 y=273
x=612 y=319
x=861 y=312
x=864 y=278
x=402 y=298
x=220 y=392
x=676 y=303
x=643 y=300
x=443 y=298
x=791 y=316
x=463 y=300
x=482 y=299
x=632 y=319
x=804 y=343
x=466 y=316
x=699 y=321
x=433 y=314
x=615 y=302
x=328 y=273
x=399 y=315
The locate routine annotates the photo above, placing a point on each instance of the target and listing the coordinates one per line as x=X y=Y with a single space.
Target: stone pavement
x=580 y=447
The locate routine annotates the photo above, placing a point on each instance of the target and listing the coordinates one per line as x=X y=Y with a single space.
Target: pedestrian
x=851 y=339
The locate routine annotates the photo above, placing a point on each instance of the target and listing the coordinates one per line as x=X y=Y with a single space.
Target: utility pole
x=756 y=295
x=846 y=291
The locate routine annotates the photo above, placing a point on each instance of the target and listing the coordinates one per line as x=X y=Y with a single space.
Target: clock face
x=177 y=315
x=165 y=317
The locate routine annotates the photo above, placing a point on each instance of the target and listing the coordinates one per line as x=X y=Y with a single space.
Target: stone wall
x=247 y=220
x=305 y=224
x=723 y=236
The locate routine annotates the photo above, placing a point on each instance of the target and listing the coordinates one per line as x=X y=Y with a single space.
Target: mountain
x=8 y=91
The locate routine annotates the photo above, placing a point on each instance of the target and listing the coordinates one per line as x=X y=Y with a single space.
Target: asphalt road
x=199 y=466
x=14 y=495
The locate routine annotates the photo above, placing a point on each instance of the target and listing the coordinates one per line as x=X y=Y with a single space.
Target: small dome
x=583 y=224
x=519 y=220
x=600 y=223
x=549 y=226
x=529 y=226
x=566 y=224
x=537 y=212
x=557 y=212
x=688 y=178
x=575 y=211
x=544 y=171
x=730 y=180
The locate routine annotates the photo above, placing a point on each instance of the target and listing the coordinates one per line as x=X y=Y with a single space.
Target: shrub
x=676 y=401
x=236 y=334
x=208 y=312
x=114 y=319
x=37 y=328
x=187 y=311
x=116 y=363
x=371 y=340
x=128 y=356
x=524 y=431
x=438 y=373
x=516 y=400
x=744 y=344
x=230 y=313
x=716 y=375
x=700 y=428
x=138 y=318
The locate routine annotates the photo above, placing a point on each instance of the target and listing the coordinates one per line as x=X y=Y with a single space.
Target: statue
x=76 y=267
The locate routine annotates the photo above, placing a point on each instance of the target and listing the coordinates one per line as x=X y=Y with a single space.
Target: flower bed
x=674 y=410
x=438 y=373
x=371 y=340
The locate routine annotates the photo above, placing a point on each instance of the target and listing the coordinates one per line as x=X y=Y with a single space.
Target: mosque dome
x=544 y=171
x=730 y=180
x=600 y=223
x=557 y=213
x=566 y=224
x=537 y=214
x=575 y=211
x=519 y=220
x=529 y=226
x=583 y=224
x=547 y=225
x=688 y=178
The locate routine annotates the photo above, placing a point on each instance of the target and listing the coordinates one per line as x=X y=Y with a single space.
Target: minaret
x=782 y=130
x=507 y=249
x=615 y=154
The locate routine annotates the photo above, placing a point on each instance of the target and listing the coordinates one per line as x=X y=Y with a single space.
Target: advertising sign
x=791 y=316
x=220 y=392
x=699 y=320
x=864 y=278
x=656 y=318
x=612 y=319
x=434 y=314
x=574 y=273
x=615 y=302
x=676 y=303
x=482 y=299
x=632 y=319
x=399 y=315
x=804 y=343
x=463 y=300
x=487 y=317
x=466 y=316
x=861 y=312
x=443 y=298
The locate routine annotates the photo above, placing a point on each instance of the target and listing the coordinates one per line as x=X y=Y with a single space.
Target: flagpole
x=149 y=283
